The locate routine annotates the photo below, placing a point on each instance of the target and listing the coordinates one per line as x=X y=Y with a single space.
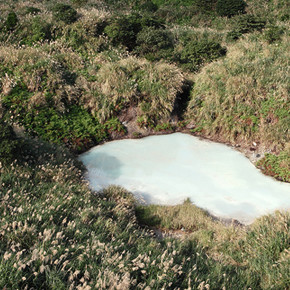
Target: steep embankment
x=243 y=99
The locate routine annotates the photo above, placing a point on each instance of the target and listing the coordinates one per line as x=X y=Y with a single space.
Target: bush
x=8 y=142
x=65 y=13
x=245 y=24
x=37 y=30
x=32 y=10
x=249 y=23
x=79 y=2
x=145 y=5
x=11 y=21
x=273 y=34
x=195 y=53
x=155 y=42
x=230 y=8
x=124 y=29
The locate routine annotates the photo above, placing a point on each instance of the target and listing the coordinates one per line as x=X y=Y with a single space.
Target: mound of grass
x=261 y=249
x=153 y=88
x=243 y=98
x=61 y=98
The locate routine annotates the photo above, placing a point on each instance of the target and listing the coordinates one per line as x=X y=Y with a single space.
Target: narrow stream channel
x=167 y=169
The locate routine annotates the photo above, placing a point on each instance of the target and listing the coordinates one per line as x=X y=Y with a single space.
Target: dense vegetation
x=77 y=73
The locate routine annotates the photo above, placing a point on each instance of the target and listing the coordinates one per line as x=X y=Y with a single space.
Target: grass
x=261 y=248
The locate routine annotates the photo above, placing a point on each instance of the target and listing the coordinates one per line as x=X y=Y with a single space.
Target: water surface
x=167 y=169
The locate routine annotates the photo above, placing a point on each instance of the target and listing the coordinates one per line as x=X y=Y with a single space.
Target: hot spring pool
x=167 y=169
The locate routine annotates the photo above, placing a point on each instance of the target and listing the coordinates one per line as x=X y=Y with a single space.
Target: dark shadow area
x=146 y=217
x=182 y=100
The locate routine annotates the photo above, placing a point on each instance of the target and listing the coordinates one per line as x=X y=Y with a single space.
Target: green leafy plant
x=245 y=24
x=114 y=125
x=230 y=8
x=137 y=134
x=65 y=13
x=277 y=166
x=8 y=142
x=37 y=30
x=195 y=53
x=11 y=21
x=154 y=42
x=32 y=10
x=273 y=34
x=164 y=127
x=124 y=29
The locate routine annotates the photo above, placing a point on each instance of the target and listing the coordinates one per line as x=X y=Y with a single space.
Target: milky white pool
x=167 y=169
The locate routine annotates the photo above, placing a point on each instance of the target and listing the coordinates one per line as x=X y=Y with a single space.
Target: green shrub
x=233 y=35
x=245 y=24
x=32 y=10
x=230 y=8
x=65 y=13
x=8 y=142
x=145 y=5
x=248 y=23
x=124 y=29
x=79 y=2
x=76 y=128
x=164 y=127
x=273 y=34
x=155 y=42
x=11 y=21
x=37 y=30
x=196 y=53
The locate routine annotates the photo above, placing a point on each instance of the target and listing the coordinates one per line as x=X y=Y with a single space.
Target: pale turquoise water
x=168 y=169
